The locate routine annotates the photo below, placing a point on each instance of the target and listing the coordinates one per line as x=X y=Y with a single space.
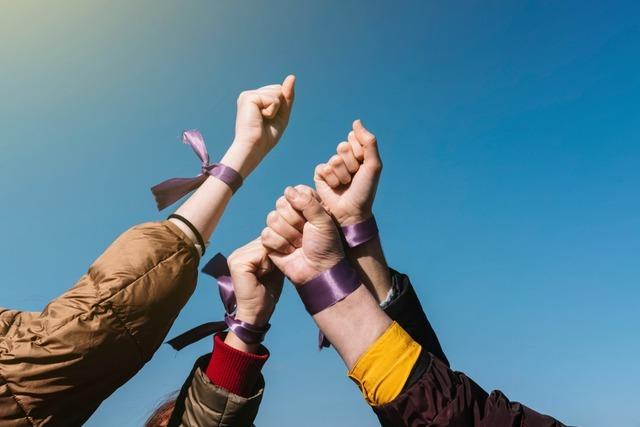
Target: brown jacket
x=57 y=366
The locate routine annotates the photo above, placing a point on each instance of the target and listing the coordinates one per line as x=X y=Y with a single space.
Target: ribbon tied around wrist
x=357 y=234
x=218 y=268
x=327 y=289
x=170 y=191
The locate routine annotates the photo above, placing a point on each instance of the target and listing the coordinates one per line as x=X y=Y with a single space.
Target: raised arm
x=347 y=185
x=312 y=248
x=57 y=366
x=226 y=387
x=404 y=384
x=262 y=118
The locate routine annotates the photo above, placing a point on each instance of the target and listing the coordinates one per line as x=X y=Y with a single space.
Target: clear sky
x=510 y=195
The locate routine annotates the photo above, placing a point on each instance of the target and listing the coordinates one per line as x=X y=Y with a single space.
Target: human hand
x=262 y=117
x=301 y=237
x=256 y=281
x=347 y=183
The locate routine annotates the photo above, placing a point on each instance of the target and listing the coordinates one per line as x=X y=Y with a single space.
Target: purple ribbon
x=170 y=191
x=360 y=233
x=328 y=288
x=250 y=334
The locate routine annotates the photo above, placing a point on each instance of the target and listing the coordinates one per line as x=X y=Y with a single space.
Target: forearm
x=353 y=324
x=205 y=206
x=370 y=262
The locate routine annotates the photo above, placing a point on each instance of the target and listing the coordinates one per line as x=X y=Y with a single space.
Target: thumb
x=302 y=199
x=369 y=145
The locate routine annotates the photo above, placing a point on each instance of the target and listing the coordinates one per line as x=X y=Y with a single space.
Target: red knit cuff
x=235 y=370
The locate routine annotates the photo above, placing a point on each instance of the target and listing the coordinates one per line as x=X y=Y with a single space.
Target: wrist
x=241 y=158
x=353 y=219
x=256 y=317
x=370 y=262
x=233 y=341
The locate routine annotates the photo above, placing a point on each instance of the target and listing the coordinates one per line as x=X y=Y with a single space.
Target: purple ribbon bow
x=250 y=334
x=170 y=191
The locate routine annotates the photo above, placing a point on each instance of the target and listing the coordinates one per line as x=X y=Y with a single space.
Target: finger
x=344 y=150
x=273 y=241
x=303 y=200
x=292 y=216
x=288 y=89
x=264 y=101
x=288 y=95
x=325 y=173
x=340 y=169
x=369 y=144
x=358 y=152
x=271 y=111
x=251 y=258
x=275 y=87
x=284 y=229
x=273 y=90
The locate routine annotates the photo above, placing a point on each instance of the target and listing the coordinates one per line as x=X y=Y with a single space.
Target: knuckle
x=232 y=260
x=335 y=160
x=343 y=147
x=265 y=234
x=281 y=203
x=272 y=218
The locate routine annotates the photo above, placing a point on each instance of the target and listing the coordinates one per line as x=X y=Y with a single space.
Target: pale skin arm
x=262 y=117
x=353 y=324
x=303 y=241
x=347 y=186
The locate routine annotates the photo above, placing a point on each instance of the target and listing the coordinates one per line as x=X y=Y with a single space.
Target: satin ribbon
x=250 y=334
x=328 y=288
x=170 y=191
x=362 y=232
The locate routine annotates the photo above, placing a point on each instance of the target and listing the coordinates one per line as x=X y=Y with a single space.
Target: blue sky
x=509 y=132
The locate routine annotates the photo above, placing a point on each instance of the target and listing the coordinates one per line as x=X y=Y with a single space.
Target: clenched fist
x=347 y=183
x=262 y=117
x=256 y=282
x=301 y=237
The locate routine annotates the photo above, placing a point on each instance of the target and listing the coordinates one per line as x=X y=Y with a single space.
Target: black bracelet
x=192 y=228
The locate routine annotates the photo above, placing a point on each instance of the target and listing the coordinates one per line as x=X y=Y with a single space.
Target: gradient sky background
x=510 y=135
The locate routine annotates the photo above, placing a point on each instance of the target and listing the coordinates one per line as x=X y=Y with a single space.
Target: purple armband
x=248 y=333
x=362 y=232
x=329 y=287
x=170 y=191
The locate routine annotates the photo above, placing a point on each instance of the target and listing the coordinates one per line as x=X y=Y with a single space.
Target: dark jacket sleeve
x=406 y=309
x=203 y=404
x=442 y=397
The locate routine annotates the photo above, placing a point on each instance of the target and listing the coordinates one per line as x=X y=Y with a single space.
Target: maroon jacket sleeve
x=406 y=309
x=437 y=396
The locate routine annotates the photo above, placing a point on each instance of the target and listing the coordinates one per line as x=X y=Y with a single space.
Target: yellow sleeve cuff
x=383 y=369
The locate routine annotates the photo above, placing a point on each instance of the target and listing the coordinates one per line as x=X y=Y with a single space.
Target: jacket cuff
x=382 y=371
x=235 y=370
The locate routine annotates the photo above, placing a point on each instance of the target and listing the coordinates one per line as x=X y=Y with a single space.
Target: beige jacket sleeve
x=57 y=366
x=203 y=404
